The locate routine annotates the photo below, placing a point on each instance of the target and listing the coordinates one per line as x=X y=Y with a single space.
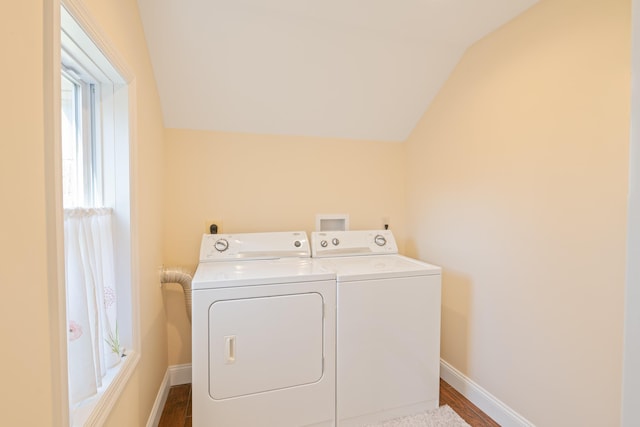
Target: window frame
x=123 y=101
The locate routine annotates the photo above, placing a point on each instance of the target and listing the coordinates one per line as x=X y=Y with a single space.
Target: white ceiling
x=360 y=69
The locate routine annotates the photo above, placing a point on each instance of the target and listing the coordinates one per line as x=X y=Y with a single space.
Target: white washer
x=388 y=341
x=263 y=333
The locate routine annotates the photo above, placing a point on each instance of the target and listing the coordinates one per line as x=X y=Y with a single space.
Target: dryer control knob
x=323 y=243
x=335 y=241
x=380 y=240
x=221 y=245
x=297 y=243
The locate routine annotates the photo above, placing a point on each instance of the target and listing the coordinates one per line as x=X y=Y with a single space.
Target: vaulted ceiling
x=360 y=69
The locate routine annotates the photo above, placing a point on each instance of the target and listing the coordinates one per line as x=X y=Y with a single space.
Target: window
x=99 y=287
x=81 y=173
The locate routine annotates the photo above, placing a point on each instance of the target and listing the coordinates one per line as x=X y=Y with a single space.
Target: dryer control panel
x=253 y=246
x=350 y=243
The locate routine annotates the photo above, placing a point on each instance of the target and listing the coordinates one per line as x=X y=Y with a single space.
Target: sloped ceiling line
x=358 y=69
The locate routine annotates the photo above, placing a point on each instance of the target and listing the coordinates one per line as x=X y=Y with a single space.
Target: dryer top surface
x=212 y=275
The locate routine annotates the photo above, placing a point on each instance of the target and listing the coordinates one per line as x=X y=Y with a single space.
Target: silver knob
x=323 y=243
x=335 y=241
x=380 y=240
x=221 y=245
x=297 y=243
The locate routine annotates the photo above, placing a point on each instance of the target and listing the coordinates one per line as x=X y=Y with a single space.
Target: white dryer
x=263 y=333
x=388 y=340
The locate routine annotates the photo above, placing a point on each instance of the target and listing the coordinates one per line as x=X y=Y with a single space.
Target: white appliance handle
x=230 y=349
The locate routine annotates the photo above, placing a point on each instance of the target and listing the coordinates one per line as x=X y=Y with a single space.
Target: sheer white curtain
x=91 y=299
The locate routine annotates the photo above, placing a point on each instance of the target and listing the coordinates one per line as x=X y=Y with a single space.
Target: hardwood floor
x=463 y=407
x=177 y=410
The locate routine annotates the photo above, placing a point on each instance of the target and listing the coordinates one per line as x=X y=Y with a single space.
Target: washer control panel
x=350 y=243
x=228 y=247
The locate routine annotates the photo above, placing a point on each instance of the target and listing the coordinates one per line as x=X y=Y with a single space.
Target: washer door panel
x=388 y=348
x=263 y=344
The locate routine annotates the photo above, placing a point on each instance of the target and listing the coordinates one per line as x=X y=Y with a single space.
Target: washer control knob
x=221 y=245
x=335 y=241
x=297 y=243
x=380 y=240
x=323 y=243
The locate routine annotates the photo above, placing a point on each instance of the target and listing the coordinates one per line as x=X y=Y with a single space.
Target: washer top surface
x=354 y=268
x=364 y=255
x=228 y=274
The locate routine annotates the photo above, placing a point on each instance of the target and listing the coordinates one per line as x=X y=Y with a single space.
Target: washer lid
x=377 y=267
x=213 y=275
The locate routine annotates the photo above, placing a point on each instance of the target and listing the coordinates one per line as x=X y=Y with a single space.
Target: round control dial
x=335 y=241
x=324 y=243
x=380 y=240
x=297 y=243
x=221 y=245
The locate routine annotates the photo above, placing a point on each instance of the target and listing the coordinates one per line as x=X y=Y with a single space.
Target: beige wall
x=268 y=183
x=25 y=366
x=516 y=185
x=28 y=396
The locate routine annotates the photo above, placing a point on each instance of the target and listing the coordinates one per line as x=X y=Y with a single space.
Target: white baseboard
x=180 y=374
x=489 y=404
x=161 y=399
x=484 y=400
x=175 y=375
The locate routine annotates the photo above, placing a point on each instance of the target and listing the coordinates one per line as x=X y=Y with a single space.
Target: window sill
x=95 y=410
